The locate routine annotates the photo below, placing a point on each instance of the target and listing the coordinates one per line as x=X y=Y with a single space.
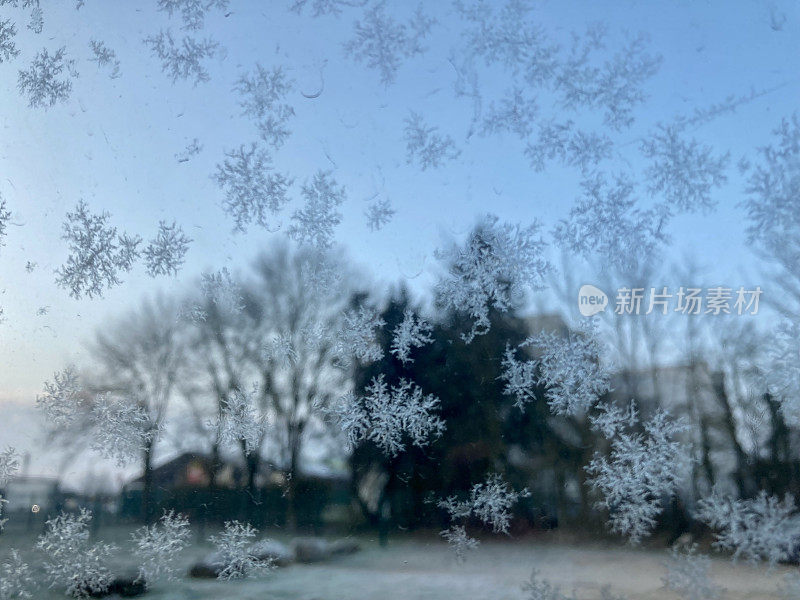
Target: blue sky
x=113 y=144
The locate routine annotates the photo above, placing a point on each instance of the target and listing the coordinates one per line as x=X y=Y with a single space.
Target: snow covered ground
x=424 y=569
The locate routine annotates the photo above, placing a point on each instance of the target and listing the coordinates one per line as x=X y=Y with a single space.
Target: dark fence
x=267 y=507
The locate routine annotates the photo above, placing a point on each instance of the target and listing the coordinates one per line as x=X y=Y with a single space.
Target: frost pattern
x=165 y=254
x=97 y=253
x=489 y=501
x=412 y=332
x=193 y=148
x=575 y=148
x=514 y=114
x=44 y=82
x=121 y=430
x=5 y=216
x=425 y=146
x=8 y=49
x=356 y=337
x=689 y=575
x=61 y=401
x=386 y=416
x=606 y=222
x=192 y=12
x=184 y=59
x=159 y=546
x=314 y=223
x=36 y=24
x=762 y=528
x=683 y=171
x=221 y=289
x=616 y=86
x=263 y=97
x=509 y=37
x=16 y=581
x=73 y=563
x=773 y=196
x=9 y=464
x=541 y=589
x=383 y=43
x=105 y=57
x=252 y=190
x=378 y=214
x=494 y=269
x=641 y=470
x=325 y=7
x=569 y=368
x=233 y=546
x=240 y=422
x=461 y=543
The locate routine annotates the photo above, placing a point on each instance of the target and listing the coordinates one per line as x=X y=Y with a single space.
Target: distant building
x=28 y=493
x=183 y=483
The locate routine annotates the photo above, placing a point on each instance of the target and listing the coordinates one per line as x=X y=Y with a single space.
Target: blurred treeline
x=270 y=334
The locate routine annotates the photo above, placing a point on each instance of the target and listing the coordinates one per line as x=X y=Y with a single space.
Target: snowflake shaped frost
x=8 y=49
x=641 y=470
x=73 y=563
x=165 y=253
x=497 y=265
x=689 y=575
x=315 y=222
x=184 y=59
x=105 y=57
x=263 y=95
x=760 y=528
x=382 y=43
x=97 y=253
x=412 y=332
x=385 y=416
x=159 y=545
x=252 y=190
x=569 y=368
x=233 y=546
x=43 y=82
x=425 y=145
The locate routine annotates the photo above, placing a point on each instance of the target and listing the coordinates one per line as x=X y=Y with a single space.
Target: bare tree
x=298 y=298
x=139 y=359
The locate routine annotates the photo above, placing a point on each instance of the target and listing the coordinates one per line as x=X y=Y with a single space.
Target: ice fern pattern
x=73 y=563
x=764 y=528
x=412 y=332
x=689 y=575
x=158 y=547
x=569 y=368
x=184 y=59
x=48 y=81
x=263 y=97
x=383 y=43
x=641 y=470
x=233 y=546
x=253 y=191
x=314 y=224
x=388 y=416
x=17 y=581
x=165 y=253
x=496 y=266
x=97 y=253
x=490 y=502
x=425 y=145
